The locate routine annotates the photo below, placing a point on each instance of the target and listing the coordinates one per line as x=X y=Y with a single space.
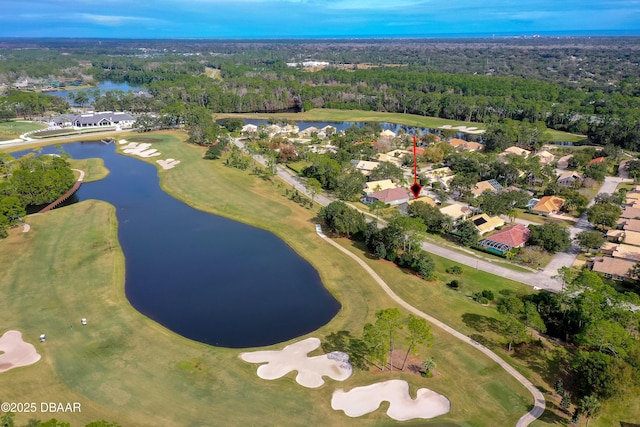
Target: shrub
x=484 y=297
x=488 y=295
x=455 y=269
x=454 y=284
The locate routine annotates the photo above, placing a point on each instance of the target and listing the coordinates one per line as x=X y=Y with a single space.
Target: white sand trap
x=168 y=164
x=152 y=152
x=16 y=352
x=362 y=400
x=294 y=358
x=143 y=150
x=466 y=129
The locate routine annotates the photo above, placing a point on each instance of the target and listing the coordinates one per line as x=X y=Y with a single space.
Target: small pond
x=203 y=276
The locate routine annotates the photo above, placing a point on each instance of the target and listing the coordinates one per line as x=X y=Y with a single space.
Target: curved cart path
x=539 y=401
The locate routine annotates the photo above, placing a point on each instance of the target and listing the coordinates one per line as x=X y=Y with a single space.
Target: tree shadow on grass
x=550 y=367
x=551 y=416
x=481 y=323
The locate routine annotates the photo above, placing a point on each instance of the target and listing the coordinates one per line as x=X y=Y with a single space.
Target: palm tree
x=428 y=365
x=590 y=407
x=313 y=187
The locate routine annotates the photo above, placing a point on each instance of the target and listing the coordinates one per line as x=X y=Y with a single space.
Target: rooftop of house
x=382 y=157
x=548 y=204
x=383 y=184
x=425 y=199
x=391 y=194
x=473 y=146
x=388 y=133
x=455 y=211
x=94 y=117
x=629 y=224
x=545 y=157
x=434 y=173
x=485 y=223
x=482 y=186
x=631 y=237
x=456 y=142
x=513 y=235
x=595 y=161
x=630 y=212
x=517 y=151
x=612 y=266
x=628 y=252
x=570 y=175
x=364 y=166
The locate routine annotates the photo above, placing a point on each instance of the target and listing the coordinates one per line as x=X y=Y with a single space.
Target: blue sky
x=311 y=18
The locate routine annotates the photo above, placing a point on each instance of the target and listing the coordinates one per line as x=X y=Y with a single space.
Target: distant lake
x=103 y=87
x=203 y=276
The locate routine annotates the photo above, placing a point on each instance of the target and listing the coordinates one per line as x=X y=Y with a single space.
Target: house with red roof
x=390 y=196
x=595 y=161
x=502 y=241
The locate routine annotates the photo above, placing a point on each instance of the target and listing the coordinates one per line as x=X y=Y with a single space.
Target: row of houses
x=292 y=130
x=622 y=249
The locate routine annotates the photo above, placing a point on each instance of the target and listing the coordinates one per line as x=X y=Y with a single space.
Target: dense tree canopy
x=551 y=236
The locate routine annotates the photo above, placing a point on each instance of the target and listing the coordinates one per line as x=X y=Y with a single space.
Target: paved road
x=541 y=279
x=539 y=401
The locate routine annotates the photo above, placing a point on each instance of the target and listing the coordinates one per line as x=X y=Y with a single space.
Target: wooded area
x=581 y=85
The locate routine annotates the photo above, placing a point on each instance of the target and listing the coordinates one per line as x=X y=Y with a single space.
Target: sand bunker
x=168 y=164
x=16 y=352
x=142 y=150
x=402 y=407
x=294 y=358
x=465 y=129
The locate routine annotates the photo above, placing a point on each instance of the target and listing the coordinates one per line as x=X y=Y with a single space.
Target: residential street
x=543 y=279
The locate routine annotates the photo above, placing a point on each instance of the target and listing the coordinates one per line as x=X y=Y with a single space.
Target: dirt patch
x=413 y=365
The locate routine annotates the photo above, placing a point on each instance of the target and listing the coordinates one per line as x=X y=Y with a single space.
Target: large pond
x=102 y=87
x=204 y=277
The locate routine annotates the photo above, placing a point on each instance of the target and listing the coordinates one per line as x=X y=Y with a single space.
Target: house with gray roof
x=97 y=119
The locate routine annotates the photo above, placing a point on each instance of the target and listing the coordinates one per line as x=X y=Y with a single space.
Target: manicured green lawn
x=94 y=169
x=13 y=129
x=126 y=368
x=298 y=167
x=560 y=136
x=333 y=115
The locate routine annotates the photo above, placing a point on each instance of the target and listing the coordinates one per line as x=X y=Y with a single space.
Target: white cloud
x=115 y=20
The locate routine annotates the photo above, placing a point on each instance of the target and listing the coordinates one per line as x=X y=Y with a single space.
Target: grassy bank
x=13 y=129
x=126 y=368
x=94 y=169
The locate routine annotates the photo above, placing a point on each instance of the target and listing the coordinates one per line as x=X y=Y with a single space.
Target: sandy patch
x=168 y=164
x=465 y=129
x=143 y=149
x=16 y=352
x=362 y=400
x=294 y=358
